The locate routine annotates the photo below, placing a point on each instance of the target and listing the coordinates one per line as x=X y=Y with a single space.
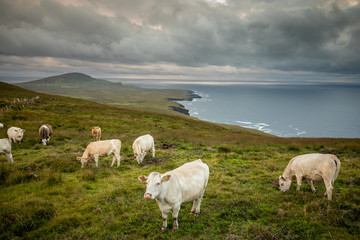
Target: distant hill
x=70 y=80
x=80 y=85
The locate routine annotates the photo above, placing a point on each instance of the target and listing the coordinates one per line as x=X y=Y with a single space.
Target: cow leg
x=164 y=217
x=96 y=157
x=329 y=189
x=9 y=157
x=299 y=181
x=153 y=150
x=175 y=215
x=311 y=183
x=196 y=206
x=113 y=160
x=118 y=159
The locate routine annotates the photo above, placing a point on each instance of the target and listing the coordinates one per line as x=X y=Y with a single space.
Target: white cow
x=45 y=131
x=1 y=125
x=312 y=167
x=5 y=147
x=101 y=148
x=184 y=184
x=142 y=145
x=15 y=134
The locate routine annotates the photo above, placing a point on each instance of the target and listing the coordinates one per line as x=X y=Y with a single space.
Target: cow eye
x=282 y=184
x=157 y=184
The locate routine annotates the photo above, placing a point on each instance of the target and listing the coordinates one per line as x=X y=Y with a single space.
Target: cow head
x=139 y=157
x=153 y=184
x=83 y=160
x=19 y=134
x=284 y=184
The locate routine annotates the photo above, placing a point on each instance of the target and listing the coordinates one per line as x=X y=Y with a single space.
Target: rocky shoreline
x=181 y=109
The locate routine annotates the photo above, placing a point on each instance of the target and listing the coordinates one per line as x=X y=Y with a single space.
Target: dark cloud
x=283 y=35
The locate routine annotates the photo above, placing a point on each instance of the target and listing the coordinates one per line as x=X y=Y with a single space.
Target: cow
x=96 y=133
x=312 y=167
x=15 y=134
x=1 y=125
x=184 y=184
x=101 y=148
x=142 y=145
x=45 y=131
x=5 y=147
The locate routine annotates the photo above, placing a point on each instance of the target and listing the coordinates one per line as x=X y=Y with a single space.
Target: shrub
x=223 y=149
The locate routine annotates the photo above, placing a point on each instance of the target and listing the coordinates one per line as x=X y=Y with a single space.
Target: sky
x=182 y=41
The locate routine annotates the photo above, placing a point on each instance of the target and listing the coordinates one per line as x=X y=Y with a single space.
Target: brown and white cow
x=186 y=183
x=45 y=131
x=96 y=133
x=100 y=149
x=142 y=145
x=312 y=167
x=5 y=147
x=15 y=134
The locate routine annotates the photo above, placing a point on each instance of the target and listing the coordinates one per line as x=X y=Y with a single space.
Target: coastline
x=191 y=95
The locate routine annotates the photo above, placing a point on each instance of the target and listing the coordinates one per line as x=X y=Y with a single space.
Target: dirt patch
x=154 y=160
x=166 y=146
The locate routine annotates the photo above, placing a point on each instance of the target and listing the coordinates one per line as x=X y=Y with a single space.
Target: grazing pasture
x=46 y=195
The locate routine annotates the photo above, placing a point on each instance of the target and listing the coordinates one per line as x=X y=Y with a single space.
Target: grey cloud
x=281 y=35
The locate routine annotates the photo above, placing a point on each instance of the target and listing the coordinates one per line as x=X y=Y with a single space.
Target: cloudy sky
x=182 y=40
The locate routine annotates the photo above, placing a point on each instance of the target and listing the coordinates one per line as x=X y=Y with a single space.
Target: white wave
x=241 y=122
x=300 y=133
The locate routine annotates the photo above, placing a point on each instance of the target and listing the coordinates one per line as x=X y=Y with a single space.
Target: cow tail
x=338 y=165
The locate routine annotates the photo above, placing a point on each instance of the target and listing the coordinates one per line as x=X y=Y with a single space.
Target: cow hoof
x=163 y=229
x=174 y=229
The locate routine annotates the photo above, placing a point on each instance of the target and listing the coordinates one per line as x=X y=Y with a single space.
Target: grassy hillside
x=46 y=195
x=82 y=86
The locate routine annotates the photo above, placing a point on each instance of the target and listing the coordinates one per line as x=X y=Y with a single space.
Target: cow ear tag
x=166 y=178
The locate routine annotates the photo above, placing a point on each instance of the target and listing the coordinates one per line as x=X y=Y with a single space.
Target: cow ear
x=142 y=179
x=166 y=178
x=281 y=177
x=78 y=158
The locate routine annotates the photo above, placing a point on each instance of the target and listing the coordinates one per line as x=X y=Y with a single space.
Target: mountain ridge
x=80 y=85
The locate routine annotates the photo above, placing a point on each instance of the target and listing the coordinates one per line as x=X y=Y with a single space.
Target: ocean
x=282 y=110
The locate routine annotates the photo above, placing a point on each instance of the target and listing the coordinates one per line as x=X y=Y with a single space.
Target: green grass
x=46 y=194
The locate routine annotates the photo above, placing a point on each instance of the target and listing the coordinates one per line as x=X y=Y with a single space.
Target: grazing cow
x=5 y=147
x=96 y=133
x=184 y=184
x=45 y=131
x=1 y=125
x=312 y=167
x=101 y=148
x=142 y=145
x=15 y=134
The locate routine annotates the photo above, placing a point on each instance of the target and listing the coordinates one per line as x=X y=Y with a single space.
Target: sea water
x=286 y=110
x=282 y=110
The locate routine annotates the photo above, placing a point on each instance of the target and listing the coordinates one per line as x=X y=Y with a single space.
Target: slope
x=46 y=195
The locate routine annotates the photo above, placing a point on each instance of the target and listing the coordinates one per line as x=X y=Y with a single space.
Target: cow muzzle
x=148 y=195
